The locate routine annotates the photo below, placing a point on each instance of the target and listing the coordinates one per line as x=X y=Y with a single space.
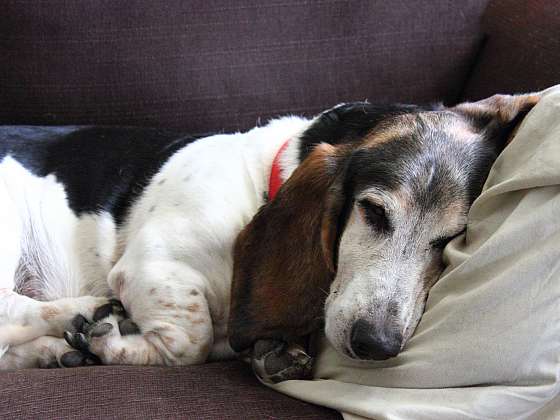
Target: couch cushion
x=216 y=390
x=522 y=52
x=216 y=65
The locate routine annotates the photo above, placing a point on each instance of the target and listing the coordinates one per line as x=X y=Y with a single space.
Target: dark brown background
x=210 y=65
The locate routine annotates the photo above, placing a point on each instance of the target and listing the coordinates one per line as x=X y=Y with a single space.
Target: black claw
x=113 y=307
x=77 y=341
x=103 y=312
x=128 y=327
x=69 y=337
x=80 y=323
x=100 y=329
x=72 y=359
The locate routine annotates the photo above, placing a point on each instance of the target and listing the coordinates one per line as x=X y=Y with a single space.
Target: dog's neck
x=289 y=158
x=265 y=144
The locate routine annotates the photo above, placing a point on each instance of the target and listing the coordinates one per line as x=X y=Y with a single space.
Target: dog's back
x=63 y=192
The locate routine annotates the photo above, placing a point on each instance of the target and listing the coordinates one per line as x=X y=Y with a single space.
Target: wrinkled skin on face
x=390 y=252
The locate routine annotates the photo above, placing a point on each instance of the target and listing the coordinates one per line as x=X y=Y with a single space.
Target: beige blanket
x=488 y=345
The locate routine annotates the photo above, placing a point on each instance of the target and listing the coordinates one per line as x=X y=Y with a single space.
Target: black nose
x=369 y=344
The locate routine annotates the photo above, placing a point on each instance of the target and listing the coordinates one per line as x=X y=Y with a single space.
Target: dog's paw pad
x=77 y=340
x=274 y=361
x=128 y=327
x=99 y=330
x=81 y=342
x=92 y=339
x=77 y=358
x=114 y=307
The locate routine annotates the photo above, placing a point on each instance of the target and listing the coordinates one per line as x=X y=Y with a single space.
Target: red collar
x=275 y=181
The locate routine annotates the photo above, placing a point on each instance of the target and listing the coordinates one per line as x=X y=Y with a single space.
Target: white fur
x=170 y=264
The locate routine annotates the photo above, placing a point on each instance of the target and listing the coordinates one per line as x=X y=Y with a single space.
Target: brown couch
x=224 y=65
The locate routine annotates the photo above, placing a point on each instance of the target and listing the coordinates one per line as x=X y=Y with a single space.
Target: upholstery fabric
x=522 y=51
x=212 y=391
x=212 y=65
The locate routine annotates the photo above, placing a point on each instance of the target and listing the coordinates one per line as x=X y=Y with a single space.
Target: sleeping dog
x=142 y=246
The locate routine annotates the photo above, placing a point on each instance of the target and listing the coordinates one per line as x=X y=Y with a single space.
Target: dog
x=145 y=247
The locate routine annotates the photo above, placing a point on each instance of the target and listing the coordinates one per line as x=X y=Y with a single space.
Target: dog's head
x=355 y=236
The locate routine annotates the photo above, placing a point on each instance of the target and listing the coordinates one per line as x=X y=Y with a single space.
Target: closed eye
x=441 y=242
x=375 y=215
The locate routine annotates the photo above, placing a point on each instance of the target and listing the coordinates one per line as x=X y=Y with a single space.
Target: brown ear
x=284 y=259
x=498 y=115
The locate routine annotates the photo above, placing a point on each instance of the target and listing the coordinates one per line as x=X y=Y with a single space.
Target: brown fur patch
x=394 y=129
x=193 y=307
x=502 y=109
x=285 y=255
x=48 y=313
x=121 y=356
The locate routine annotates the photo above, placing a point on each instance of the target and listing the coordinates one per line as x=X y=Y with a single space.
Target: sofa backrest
x=522 y=49
x=212 y=65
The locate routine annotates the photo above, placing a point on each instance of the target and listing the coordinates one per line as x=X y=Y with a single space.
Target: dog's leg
x=170 y=322
x=44 y=352
x=23 y=318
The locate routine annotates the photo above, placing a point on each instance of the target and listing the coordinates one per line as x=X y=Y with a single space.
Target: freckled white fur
x=170 y=264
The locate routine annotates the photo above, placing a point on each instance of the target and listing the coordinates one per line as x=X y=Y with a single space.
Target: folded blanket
x=488 y=345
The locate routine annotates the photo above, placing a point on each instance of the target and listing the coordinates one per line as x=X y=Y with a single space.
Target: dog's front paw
x=90 y=339
x=275 y=361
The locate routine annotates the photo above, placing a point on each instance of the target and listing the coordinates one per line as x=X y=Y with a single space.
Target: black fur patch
x=388 y=165
x=350 y=123
x=102 y=168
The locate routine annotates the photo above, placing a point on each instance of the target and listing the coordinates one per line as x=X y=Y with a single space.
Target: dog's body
x=152 y=218
x=89 y=214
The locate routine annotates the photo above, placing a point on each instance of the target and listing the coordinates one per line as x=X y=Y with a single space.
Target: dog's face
x=379 y=193
x=409 y=186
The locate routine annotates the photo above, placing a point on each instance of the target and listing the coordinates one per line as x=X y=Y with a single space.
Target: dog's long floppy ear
x=499 y=115
x=285 y=258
